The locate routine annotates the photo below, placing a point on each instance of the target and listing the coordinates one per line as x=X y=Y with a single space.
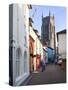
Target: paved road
x=52 y=74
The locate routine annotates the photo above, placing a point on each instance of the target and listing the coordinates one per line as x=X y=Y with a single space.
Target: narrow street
x=53 y=74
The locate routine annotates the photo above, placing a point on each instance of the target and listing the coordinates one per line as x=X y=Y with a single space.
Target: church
x=48 y=31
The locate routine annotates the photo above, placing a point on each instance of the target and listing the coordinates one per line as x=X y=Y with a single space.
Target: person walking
x=42 y=64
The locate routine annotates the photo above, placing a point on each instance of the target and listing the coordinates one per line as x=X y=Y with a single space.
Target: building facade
x=18 y=43
x=35 y=50
x=61 y=41
x=48 y=31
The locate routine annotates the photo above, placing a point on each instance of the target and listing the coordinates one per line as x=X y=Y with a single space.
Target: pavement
x=53 y=74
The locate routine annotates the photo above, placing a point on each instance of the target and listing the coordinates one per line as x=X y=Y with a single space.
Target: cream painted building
x=38 y=48
x=18 y=43
x=61 y=41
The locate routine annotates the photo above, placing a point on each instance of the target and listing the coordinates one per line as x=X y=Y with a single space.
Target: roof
x=29 y=6
x=36 y=32
x=62 y=32
x=30 y=19
x=51 y=48
x=46 y=17
x=45 y=50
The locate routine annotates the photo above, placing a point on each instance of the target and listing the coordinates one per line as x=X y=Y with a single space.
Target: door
x=31 y=53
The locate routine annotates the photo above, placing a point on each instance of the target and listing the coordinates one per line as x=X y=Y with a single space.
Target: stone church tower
x=48 y=31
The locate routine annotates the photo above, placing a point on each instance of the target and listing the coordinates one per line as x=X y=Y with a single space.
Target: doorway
x=31 y=54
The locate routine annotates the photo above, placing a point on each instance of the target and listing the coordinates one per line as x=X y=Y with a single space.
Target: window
x=10 y=65
x=18 y=62
x=25 y=43
x=25 y=61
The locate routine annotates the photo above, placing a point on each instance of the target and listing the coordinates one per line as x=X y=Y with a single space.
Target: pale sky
x=59 y=14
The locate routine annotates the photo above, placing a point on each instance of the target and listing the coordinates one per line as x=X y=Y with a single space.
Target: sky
x=58 y=12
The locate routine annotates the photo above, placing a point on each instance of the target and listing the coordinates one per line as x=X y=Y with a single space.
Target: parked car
x=59 y=61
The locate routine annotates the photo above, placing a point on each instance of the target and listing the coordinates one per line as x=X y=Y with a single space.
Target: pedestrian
x=42 y=64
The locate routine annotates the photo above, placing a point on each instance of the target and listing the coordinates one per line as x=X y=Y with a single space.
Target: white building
x=18 y=43
x=37 y=48
x=61 y=41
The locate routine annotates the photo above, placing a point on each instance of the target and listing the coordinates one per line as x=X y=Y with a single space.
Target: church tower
x=48 y=31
